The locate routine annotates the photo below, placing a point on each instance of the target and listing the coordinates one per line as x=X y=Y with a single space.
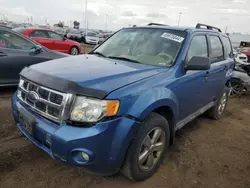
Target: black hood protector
x=61 y=85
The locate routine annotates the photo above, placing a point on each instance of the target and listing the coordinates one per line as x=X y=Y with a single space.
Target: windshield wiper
x=98 y=53
x=124 y=58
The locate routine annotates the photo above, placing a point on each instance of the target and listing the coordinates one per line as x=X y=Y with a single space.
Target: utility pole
x=179 y=18
x=86 y=19
x=86 y=23
x=106 y=22
x=226 y=29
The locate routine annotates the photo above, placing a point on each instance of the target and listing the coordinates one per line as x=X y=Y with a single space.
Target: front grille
x=243 y=58
x=47 y=102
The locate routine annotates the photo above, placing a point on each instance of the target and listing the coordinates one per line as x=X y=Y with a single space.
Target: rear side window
x=217 y=49
x=198 y=47
x=228 y=46
x=39 y=34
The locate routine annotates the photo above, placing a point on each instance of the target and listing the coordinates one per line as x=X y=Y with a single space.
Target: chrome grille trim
x=63 y=107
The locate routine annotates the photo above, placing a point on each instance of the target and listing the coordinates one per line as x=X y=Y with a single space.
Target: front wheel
x=74 y=51
x=147 y=150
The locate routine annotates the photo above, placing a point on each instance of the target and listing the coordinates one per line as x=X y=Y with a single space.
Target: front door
x=191 y=87
x=59 y=43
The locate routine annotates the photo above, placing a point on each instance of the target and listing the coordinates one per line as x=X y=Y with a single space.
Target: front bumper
x=106 y=143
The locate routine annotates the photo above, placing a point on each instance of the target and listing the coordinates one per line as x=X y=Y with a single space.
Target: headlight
x=93 y=110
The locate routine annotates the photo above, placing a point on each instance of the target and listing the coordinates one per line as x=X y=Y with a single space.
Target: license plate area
x=27 y=121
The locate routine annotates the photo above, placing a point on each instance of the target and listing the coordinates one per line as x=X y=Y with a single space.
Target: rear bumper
x=105 y=143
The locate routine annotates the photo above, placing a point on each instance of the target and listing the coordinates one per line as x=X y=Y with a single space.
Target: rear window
x=19 y=29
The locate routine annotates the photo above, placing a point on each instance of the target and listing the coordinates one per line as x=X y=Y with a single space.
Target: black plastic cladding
x=61 y=85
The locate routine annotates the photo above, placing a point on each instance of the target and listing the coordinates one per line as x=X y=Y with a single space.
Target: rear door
x=219 y=66
x=42 y=37
x=15 y=55
x=59 y=43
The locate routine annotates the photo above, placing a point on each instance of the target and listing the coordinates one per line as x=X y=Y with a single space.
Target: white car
x=91 y=38
x=240 y=57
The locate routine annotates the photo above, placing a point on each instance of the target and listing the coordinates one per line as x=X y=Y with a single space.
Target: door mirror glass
x=198 y=63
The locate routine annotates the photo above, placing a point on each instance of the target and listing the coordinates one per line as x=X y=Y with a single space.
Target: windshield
x=157 y=47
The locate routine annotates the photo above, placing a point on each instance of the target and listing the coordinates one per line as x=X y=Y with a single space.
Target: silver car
x=240 y=81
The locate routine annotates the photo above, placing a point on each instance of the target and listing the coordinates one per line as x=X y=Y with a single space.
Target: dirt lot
x=206 y=154
x=85 y=48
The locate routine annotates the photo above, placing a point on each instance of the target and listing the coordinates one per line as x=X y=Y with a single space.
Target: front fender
x=153 y=99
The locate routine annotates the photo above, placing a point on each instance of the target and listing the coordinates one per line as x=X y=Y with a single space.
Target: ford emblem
x=33 y=96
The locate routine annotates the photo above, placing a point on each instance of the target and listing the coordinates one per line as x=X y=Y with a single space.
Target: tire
x=74 y=51
x=236 y=87
x=217 y=111
x=132 y=168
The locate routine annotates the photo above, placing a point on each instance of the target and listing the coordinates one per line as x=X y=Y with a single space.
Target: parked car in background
x=119 y=107
x=91 y=37
x=61 y=31
x=240 y=81
x=240 y=57
x=74 y=34
x=17 y=52
x=51 y=40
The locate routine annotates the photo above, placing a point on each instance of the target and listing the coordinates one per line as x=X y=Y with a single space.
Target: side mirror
x=36 y=50
x=198 y=63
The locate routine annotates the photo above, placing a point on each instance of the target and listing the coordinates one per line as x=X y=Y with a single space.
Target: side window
x=55 y=36
x=39 y=34
x=198 y=47
x=228 y=46
x=217 y=49
x=12 y=41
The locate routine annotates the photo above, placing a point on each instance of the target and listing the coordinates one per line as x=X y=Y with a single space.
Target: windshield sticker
x=173 y=37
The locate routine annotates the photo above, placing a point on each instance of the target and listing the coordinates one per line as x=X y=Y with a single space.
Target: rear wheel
x=147 y=150
x=74 y=51
x=217 y=111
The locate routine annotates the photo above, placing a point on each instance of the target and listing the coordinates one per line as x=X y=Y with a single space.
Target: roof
x=188 y=29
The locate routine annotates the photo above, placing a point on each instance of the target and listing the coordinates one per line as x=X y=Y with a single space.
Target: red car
x=51 y=40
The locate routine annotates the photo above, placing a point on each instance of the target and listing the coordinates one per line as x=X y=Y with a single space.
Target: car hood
x=90 y=71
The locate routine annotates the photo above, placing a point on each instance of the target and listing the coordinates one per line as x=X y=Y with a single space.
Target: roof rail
x=200 y=25
x=157 y=24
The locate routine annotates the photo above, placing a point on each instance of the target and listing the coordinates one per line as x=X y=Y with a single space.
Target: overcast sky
x=232 y=13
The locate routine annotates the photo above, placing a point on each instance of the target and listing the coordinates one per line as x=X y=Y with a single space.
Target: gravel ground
x=206 y=154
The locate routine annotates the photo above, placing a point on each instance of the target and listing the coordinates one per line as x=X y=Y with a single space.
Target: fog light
x=85 y=156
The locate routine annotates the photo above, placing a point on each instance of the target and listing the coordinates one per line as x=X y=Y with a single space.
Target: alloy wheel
x=151 y=149
x=74 y=51
x=235 y=89
x=222 y=104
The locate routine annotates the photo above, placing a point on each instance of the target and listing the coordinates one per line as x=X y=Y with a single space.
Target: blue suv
x=118 y=108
